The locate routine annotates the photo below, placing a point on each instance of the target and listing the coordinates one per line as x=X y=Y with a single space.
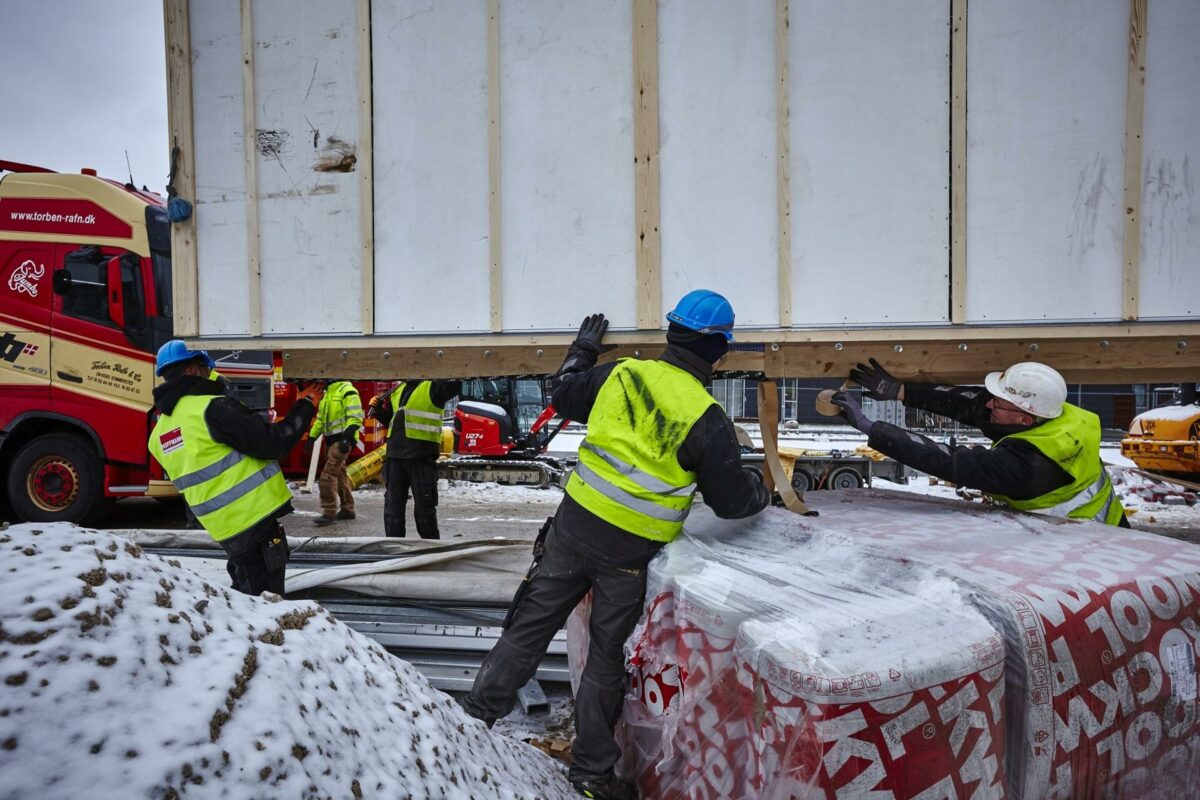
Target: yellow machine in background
x=1166 y=440
x=368 y=468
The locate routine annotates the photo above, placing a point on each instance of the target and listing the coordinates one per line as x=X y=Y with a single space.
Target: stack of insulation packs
x=900 y=646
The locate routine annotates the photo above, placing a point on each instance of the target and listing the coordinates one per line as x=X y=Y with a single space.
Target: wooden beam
x=1135 y=104
x=783 y=165
x=250 y=155
x=495 y=275
x=178 y=36
x=1081 y=358
x=958 y=161
x=647 y=187
x=366 y=172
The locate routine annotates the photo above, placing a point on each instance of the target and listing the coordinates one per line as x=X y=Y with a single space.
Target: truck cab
x=85 y=302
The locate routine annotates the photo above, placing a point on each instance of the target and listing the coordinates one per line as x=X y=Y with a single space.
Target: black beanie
x=709 y=346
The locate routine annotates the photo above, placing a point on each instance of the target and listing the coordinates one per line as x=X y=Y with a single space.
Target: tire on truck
x=845 y=478
x=802 y=481
x=57 y=478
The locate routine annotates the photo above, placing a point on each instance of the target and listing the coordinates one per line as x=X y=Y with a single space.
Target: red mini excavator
x=502 y=427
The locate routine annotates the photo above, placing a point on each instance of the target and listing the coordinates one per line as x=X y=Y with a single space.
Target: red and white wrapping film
x=909 y=647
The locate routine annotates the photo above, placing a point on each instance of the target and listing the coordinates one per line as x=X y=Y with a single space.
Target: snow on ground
x=126 y=675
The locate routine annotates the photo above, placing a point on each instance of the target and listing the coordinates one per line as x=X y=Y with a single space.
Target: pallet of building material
x=919 y=647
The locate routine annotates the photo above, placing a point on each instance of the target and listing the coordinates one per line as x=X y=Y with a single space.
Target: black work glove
x=591 y=332
x=344 y=447
x=852 y=411
x=878 y=382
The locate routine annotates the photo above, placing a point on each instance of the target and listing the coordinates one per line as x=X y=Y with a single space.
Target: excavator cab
x=501 y=432
x=495 y=417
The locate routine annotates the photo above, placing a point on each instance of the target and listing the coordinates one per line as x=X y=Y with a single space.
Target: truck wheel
x=57 y=478
x=845 y=478
x=801 y=481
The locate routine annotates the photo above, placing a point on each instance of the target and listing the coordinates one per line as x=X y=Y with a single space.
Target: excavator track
x=514 y=472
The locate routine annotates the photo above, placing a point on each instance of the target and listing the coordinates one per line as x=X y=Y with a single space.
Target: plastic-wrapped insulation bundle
x=904 y=647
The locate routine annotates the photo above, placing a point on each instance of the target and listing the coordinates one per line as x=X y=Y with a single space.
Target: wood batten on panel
x=647 y=194
x=250 y=155
x=958 y=161
x=176 y=21
x=494 y=211
x=783 y=163
x=1096 y=355
x=1135 y=104
x=366 y=173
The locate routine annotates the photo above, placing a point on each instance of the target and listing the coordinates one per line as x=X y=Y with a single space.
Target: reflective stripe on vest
x=1072 y=441
x=422 y=419
x=628 y=472
x=228 y=491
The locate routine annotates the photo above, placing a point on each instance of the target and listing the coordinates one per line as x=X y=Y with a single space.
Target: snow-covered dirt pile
x=125 y=675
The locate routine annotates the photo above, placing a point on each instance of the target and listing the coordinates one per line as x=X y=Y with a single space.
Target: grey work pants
x=563 y=578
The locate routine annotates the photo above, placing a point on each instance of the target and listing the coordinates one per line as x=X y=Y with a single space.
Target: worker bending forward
x=1045 y=453
x=339 y=419
x=654 y=436
x=412 y=413
x=222 y=457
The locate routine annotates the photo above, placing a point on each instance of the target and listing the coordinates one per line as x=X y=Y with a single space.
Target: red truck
x=85 y=302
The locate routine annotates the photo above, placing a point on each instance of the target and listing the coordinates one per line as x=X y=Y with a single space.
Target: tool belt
x=539 y=549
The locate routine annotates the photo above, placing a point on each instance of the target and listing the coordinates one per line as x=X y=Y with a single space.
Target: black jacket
x=231 y=423
x=710 y=449
x=1013 y=468
x=399 y=445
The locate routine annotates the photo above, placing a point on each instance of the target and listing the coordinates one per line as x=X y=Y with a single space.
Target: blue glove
x=852 y=411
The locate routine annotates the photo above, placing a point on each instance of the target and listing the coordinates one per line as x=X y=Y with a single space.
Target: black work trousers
x=258 y=558
x=420 y=476
x=563 y=578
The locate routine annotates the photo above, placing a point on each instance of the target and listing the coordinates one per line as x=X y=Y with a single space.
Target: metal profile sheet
x=914 y=647
x=481 y=570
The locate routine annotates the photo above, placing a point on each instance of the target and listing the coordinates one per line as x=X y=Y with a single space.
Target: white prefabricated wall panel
x=869 y=127
x=567 y=200
x=717 y=154
x=1169 y=280
x=306 y=115
x=1045 y=159
x=220 y=203
x=429 y=65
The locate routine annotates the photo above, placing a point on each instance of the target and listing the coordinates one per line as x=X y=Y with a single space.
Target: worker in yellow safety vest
x=221 y=456
x=654 y=437
x=339 y=419
x=412 y=414
x=1045 y=452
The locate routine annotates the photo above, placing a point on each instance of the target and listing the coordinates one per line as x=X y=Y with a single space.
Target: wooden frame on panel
x=495 y=276
x=958 y=161
x=1135 y=105
x=366 y=172
x=783 y=162
x=177 y=26
x=249 y=152
x=647 y=184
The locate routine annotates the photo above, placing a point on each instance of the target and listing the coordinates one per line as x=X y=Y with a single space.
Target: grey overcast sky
x=81 y=81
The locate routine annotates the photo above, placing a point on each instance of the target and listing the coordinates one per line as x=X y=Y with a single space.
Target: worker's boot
x=608 y=787
x=343 y=514
x=324 y=520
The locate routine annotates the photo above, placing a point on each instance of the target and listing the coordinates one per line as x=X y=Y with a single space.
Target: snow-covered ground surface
x=128 y=676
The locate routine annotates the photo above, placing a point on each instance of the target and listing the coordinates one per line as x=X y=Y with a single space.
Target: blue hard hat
x=176 y=351
x=704 y=311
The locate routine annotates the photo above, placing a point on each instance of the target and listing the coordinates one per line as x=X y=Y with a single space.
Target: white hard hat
x=1030 y=386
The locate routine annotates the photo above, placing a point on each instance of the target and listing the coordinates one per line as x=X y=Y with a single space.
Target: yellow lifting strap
x=774 y=477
